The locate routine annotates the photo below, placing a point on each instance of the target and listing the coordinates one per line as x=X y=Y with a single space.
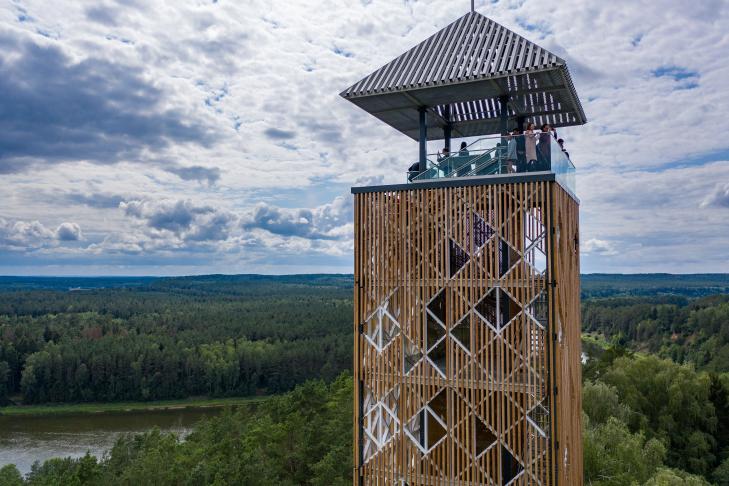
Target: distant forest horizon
x=718 y=276
x=593 y=284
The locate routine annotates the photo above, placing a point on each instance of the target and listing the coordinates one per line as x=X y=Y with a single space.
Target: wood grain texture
x=467 y=336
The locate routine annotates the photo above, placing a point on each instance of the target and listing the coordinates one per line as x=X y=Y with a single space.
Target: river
x=24 y=440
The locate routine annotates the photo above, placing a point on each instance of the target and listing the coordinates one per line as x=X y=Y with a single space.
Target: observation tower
x=467 y=310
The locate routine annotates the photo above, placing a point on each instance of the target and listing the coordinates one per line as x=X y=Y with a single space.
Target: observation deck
x=500 y=156
x=491 y=160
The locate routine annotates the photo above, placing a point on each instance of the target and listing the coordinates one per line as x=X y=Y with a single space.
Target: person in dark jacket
x=463 y=152
x=561 y=146
x=521 y=161
x=544 y=150
x=530 y=147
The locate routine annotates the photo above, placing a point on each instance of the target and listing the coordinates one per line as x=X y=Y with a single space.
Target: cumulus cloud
x=54 y=108
x=179 y=226
x=23 y=234
x=598 y=247
x=68 y=232
x=183 y=218
x=32 y=235
x=718 y=198
x=328 y=221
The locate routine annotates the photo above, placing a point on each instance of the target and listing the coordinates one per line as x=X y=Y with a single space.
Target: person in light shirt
x=511 y=151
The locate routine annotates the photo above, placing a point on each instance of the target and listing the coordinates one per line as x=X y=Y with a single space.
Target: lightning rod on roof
x=473 y=7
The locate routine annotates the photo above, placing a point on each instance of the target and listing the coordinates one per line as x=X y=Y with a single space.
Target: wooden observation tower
x=467 y=317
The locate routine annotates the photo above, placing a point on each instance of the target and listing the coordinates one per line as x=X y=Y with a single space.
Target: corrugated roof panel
x=453 y=54
x=450 y=59
x=476 y=53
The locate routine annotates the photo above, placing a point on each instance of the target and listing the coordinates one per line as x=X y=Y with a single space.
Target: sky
x=145 y=137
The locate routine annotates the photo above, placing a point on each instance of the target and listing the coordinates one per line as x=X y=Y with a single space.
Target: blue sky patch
x=676 y=72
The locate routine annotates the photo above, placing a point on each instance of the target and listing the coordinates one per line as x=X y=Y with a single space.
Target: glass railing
x=513 y=154
x=563 y=168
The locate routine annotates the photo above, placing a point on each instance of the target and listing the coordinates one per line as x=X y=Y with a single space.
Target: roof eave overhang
x=409 y=100
x=443 y=84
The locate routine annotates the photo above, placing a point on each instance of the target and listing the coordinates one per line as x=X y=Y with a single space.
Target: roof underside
x=459 y=74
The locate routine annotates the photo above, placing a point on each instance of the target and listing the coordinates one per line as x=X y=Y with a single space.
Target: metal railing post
x=423 y=165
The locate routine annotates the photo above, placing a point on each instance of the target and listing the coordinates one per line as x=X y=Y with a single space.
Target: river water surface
x=24 y=440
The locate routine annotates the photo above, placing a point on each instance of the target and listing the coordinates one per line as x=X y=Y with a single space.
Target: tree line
x=173 y=339
x=682 y=329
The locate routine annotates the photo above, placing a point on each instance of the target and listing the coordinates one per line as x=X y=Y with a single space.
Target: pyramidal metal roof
x=459 y=74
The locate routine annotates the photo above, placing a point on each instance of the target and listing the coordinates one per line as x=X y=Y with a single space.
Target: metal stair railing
x=457 y=165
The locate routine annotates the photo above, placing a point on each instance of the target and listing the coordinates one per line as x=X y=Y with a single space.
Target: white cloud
x=167 y=229
x=600 y=247
x=328 y=221
x=33 y=235
x=68 y=232
x=184 y=219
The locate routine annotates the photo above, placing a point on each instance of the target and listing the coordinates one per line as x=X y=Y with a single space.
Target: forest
x=685 y=330
x=172 y=338
x=655 y=384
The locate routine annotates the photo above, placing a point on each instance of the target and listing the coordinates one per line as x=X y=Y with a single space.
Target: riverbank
x=122 y=407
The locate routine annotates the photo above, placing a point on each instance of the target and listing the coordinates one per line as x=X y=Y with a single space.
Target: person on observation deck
x=463 y=152
x=560 y=141
x=511 y=151
x=444 y=154
x=530 y=147
x=520 y=152
x=544 y=151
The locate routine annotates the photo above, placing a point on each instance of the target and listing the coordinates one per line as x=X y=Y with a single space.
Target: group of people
x=462 y=152
x=531 y=151
x=524 y=152
x=518 y=152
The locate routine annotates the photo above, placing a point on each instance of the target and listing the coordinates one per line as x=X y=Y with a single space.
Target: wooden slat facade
x=467 y=346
